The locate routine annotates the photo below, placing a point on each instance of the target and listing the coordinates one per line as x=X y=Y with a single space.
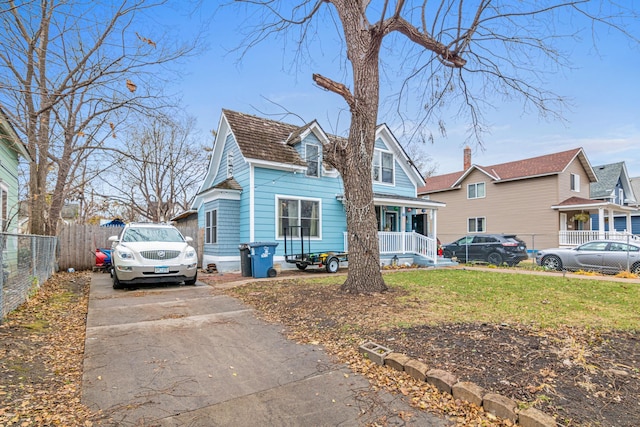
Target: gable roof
x=608 y=177
x=264 y=139
x=549 y=164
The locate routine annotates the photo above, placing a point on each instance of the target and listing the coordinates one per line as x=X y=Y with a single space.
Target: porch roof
x=573 y=203
x=403 y=201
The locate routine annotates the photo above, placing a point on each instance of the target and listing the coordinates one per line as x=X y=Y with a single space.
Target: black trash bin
x=245 y=259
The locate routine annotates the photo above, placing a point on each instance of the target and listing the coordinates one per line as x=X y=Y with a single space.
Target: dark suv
x=494 y=249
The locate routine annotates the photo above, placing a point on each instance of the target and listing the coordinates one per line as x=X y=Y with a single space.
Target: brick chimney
x=467 y=158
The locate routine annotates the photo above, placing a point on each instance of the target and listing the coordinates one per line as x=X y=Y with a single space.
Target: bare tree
x=454 y=51
x=71 y=74
x=156 y=175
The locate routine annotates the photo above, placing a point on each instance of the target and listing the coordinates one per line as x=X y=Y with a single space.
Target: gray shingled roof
x=608 y=176
x=264 y=139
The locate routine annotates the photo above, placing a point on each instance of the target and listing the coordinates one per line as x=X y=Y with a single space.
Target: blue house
x=265 y=176
x=614 y=187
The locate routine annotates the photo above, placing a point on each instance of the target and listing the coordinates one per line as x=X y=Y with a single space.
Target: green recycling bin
x=262 y=259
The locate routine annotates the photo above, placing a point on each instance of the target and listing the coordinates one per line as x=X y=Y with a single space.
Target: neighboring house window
x=229 y=165
x=298 y=212
x=4 y=205
x=476 y=225
x=575 y=182
x=621 y=196
x=382 y=167
x=211 y=226
x=475 y=191
x=312 y=157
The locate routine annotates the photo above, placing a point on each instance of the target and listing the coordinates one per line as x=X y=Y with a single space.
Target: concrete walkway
x=191 y=356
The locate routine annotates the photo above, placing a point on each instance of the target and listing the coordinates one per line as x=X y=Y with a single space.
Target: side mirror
x=188 y=239
x=113 y=238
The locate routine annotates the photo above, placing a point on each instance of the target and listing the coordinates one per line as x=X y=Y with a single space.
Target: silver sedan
x=605 y=256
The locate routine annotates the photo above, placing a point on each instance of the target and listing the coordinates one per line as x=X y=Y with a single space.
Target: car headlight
x=124 y=254
x=191 y=253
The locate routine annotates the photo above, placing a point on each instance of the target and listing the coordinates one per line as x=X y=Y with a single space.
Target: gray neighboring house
x=615 y=186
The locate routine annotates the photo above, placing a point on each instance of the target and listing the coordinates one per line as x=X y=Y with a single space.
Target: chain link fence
x=27 y=261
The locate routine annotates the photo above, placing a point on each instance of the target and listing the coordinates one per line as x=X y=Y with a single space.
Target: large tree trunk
x=362 y=228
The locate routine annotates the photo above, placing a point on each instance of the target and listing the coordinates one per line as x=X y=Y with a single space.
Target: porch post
x=403 y=227
x=434 y=214
x=612 y=227
x=629 y=230
x=601 y=223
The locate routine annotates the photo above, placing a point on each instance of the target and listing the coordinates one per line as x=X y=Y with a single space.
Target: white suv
x=152 y=253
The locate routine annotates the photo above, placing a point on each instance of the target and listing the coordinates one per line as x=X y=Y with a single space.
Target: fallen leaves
x=41 y=354
x=563 y=371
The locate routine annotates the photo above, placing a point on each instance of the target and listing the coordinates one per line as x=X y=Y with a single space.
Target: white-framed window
x=476 y=191
x=382 y=168
x=620 y=196
x=575 y=182
x=477 y=225
x=312 y=157
x=4 y=208
x=211 y=226
x=292 y=213
x=229 y=165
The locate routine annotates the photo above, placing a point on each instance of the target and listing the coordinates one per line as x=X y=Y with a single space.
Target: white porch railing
x=575 y=238
x=392 y=242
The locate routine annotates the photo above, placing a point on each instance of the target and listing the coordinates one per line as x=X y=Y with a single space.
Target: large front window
x=382 y=169
x=294 y=214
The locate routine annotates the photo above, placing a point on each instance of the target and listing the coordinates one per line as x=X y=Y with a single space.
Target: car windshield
x=151 y=234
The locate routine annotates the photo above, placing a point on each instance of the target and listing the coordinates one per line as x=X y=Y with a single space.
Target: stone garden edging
x=446 y=382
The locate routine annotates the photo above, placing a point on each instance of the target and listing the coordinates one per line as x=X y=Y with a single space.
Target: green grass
x=450 y=295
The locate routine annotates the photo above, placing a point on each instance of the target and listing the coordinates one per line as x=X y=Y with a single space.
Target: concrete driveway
x=191 y=356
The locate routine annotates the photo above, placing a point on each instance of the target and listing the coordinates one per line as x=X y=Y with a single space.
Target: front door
x=391 y=221
x=419 y=224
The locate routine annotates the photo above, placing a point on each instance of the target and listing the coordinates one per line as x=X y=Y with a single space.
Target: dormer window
x=382 y=168
x=312 y=157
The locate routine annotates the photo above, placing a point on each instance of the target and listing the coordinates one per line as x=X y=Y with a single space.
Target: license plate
x=160 y=270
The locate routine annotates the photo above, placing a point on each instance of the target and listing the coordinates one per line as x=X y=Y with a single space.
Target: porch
x=407 y=247
x=583 y=220
x=578 y=237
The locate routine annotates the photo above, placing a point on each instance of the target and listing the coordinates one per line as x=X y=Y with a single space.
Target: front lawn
x=567 y=346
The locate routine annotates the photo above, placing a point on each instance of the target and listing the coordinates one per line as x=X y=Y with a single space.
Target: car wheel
x=494 y=258
x=552 y=262
x=332 y=265
x=301 y=266
x=191 y=282
x=116 y=283
x=635 y=269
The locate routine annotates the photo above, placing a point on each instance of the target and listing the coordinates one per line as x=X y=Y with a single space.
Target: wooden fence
x=77 y=243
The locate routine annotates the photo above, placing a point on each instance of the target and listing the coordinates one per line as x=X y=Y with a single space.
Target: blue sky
x=603 y=90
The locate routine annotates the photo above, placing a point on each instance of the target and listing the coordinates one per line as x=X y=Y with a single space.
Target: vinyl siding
x=522 y=207
x=402 y=185
x=268 y=184
x=9 y=160
x=228 y=227
x=564 y=182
